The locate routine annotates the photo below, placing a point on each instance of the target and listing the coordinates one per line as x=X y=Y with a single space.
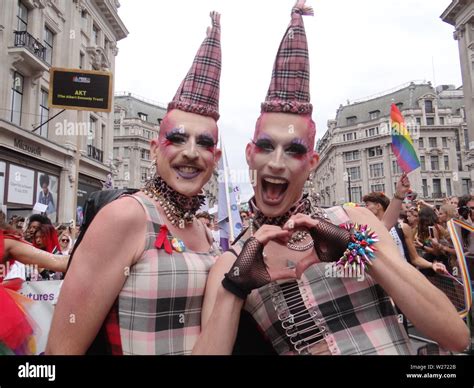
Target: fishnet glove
x=330 y=241
x=249 y=270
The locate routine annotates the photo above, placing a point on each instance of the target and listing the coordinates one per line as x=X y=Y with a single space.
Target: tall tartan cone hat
x=199 y=91
x=289 y=88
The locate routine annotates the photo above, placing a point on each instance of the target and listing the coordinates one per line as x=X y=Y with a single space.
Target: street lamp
x=347 y=178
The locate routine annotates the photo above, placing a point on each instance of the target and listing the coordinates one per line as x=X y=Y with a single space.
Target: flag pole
x=227 y=198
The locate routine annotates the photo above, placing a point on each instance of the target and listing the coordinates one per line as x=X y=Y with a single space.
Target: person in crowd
x=65 y=243
x=34 y=222
x=283 y=269
x=136 y=282
x=378 y=203
x=244 y=216
x=16 y=332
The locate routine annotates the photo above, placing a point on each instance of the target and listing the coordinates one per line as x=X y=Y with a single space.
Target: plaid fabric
x=159 y=306
x=289 y=87
x=327 y=314
x=199 y=91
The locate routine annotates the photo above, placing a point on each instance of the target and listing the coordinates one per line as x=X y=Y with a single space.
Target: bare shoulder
x=125 y=212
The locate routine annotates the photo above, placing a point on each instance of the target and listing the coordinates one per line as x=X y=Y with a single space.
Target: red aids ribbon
x=162 y=240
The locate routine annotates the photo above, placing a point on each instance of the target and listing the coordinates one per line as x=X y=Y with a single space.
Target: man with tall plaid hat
x=299 y=274
x=139 y=276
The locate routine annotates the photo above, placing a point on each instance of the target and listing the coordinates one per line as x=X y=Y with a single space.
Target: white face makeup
x=186 y=152
x=282 y=160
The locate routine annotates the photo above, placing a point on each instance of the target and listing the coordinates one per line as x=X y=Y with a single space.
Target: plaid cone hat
x=199 y=91
x=289 y=88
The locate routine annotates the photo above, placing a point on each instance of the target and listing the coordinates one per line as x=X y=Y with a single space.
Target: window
x=84 y=20
x=81 y=60
x=374 y=115
x=396 y=168
x=429 y=106
x=434 y=163
x=430 y=121
x=143 y=174
x=101 y=136
x=142 y=116
x=351 y=120
x=445 y=142
x=376 y=170
x=437 y=188
x=377 y=188
x=106 y=46
x=95 y=35
x=356 y=194
x=48 y=43
x=458 y=142
x=92 y=131
x=116 y=130
x=44 y=113
x=466 y=186
x=351 y=155
x=449 y=190
x=441 y=121
x=354 y=173
x=372 y=132
x=466 y=139
x=116 y=152
x=418 y=121
x=433 y=142
x=421 y=143
x=17 y=98
x=145 y=154
x=460 y=166
x=22 y=17
x=375 y=151
x=446 y=162
x=126 y=152
x=424 y=186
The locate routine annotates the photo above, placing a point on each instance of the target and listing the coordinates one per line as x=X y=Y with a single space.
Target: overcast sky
x=357 y=49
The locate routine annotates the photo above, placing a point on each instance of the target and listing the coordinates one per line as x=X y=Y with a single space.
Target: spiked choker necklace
x=179 y=209
x=302 y=206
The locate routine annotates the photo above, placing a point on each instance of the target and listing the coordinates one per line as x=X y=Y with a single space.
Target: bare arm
x=392 y=213
x=113 y=242
x=424 y=305
x=28 y=254
x=220 y=312
x=415 y=258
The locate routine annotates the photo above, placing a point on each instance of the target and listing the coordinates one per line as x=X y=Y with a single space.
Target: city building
x=356 y=156
x=137 y=123
x=460 y=14
x=36 y=154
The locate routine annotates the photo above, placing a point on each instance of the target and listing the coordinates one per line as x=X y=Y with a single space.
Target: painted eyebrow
x=297 y=141
x=177 y=131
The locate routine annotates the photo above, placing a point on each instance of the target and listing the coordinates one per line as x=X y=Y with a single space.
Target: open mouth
x=273 y=189
x=187 y=172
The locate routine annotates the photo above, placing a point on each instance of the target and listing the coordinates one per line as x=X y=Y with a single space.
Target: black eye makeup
x=205 y=141
x=176 y=136
x=264 y=144
x=297 y=149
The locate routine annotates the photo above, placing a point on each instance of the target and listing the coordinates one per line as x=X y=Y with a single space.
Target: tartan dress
x=328 y=315
x=158 y=310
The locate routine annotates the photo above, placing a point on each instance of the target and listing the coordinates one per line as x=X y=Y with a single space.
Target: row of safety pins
x=286 y=298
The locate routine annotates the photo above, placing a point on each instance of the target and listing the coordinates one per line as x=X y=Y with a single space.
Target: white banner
x=45 y=294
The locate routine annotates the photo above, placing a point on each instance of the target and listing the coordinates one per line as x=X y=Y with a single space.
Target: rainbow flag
x=402 y=145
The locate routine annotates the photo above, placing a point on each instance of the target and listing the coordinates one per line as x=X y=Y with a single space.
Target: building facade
x=460 y=14
x=356 y=156
x=36 y=155
x=137 y=123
